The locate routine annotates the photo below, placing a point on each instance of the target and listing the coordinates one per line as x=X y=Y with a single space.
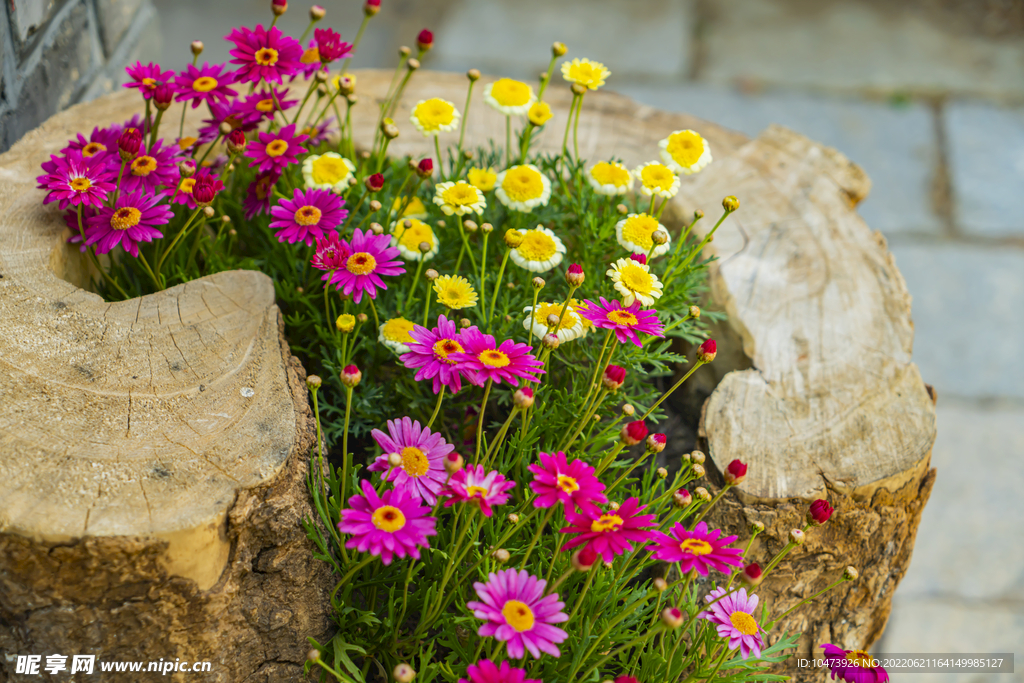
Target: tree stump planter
x=154 y=450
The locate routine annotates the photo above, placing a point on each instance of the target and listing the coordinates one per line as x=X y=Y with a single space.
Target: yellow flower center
x=266 y=56
x=263 y=187
x=695 y=546
x=329 y=170
x=621 y=317
x=398 y=329
x=125 y=217
x=93 y=148
x=493 y=358
x=276 y=148
x=567 y=483
x=308 y=215
x=149 y=82
x=685 y=147
x=80 y=184
x=607 y=522
x=476 y=491
x=610 y=174
x=657 y=177
x=744 y=623
x=636 y=278
x=265 y=106
x=434 y=113
x=311 y=56
x=482 y=179
x=541 y=313
x=411 y=237
x=143 y=166
x=862 y=658
x=186 y=185
x=537 y=246
x=518 y=615
x=522 y=183
x=204 y=84
x=444 y=347
x=414 y=461
x=388 y=518
x=361 y=263
x=539 y=114
x=346 y=322
x=461 y=194
x=415 y=207
x=639 y=228
x=186 y=142
x=510 y=93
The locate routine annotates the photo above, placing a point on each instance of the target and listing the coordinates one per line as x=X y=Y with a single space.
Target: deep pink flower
x=274 y=151
x=472 y=484
x=264 y=54
x=510 y=361
x=371 y=258
x=331 y=253
x=232 y=112
x=260 y=105
x=516 y=611
x=735 y=472
x=734 y=618
x=819 y=512
x=151 y=170
x=854 y=666
x=183 y=194
x=626 y=679
x=633 y=433
x=76 y=181
x=259 y=194
x=425 y=40
x=639 y=258
x=102 y=144
x=422 y=452
x=307 y=216
x=390 y=525
x=330 y=45
x=557 y=481
x=309 y=62
x=147 y=78
x=575 y=275
x=207 y=84
x=486 y=671
x=132 y=220
x=613 y=377
x=699 y=549
x=129 y=143
x=430 y=354
x=626 y=321
x=611 y=533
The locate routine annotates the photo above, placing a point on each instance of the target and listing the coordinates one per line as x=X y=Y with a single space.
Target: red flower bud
x=523 y=398
x=639 y=258
x=204 y=190
x=682 y=498
x=278 y=7
x=129 y=143
x=819 y=512
x=751 y=574
x=584 y=558
x=613 y=377
x=163 y=94
x=425 y=168
x=453 y=462
x=237 y=141
x=735 y=472
x=633 y=433
x=371 y=7
x=626 y=679
x=672 y=617
x=656 y=443
x=706 y=351
x=575 y=276
x=375 y=182
x=425 y=40
x=350 y=375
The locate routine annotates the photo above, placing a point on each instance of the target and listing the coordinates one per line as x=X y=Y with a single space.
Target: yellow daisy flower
x=521 y=188
x=459 y=198
x=657 y=179
x=539 y=251
x=394 y=334
x=577 y=305
x=455 y=292
x=540 y=113
x=328 y=171
x=585 y=72
x=610 y=178
x=416 y=208
x=346 y=322
x=434 y=115
x=634 y=233
x=482 y=179
x=570 y=328
x=635 y=281
x=512 y=98
x=685 y=151
x=409 y=239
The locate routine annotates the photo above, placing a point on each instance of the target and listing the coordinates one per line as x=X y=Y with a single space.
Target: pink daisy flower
x=430 y=354
x=307 y=215
x=259 y=195
x=422 y=452
x=183 y=195
x=390 y=525
x=486 y=671
x=699 y=549
x=511 y=361
x=264 y=54
x=733 y=617
x=330 y=46
x=231 y=112
x=371 y=257
x=101 y=145
x=556 y=481
x=611 y=533
x=207 y=84
x=472 y=484
x=260 y=105
x=516 y=612
x=274 y=151
x=309 y=62
x=147 y=78
x=626 y=321
x=132 y=220
x=331 y=253
x=76 y=181
x=854 y=666
x=151 y=170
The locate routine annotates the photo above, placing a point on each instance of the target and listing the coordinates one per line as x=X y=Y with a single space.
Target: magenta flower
x=853 y=666
x=330 y=45
x=76 y=181
x=472 y=485
x=556 y=481
x=102 y=144
x=132 y=220
x=309 y=62
x=259 y=194
x=331 y=253
x=231 y=112
x=183 y=195
x=147 y=78
x=261 y=106
x=511 y=361
x=151 y=170
x=391 y=525
x=516 y=611
x=264 y=54
x=371 y=257
x=306 y=216
x=207 y=84
x=699 y=549
x=611 y=533
x=274 y=151
x=626 y=321
x=430 y=355
x=733 y=617
x=486 y=671
x=422 y=452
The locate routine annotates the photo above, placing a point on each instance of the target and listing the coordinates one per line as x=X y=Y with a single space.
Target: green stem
x=145 y=264
x=177 y=238
x=483 y=278
x=309 y=91
x=437 y=406
x=568 y=124
x=465 y=115
x=711 y=504
x=707 y=238
x=675 y=386
x=156 y=127
x=415 y=282
x=344 y=446
x=480 y=421
x=355 y=43
x=96 y=263
x=496 y=444
x=508 y=140
x=497 y=287
x=576 y=128
x=465 y=243
x=785 y=614
x=536 y=536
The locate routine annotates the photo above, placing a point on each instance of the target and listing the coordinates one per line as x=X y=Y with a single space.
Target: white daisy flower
x=635 y=281
x=657 y=179
x=434 y=115
x=570 y=328
x=408 y=239
x=634 y=232
x=610 y=178
x=685 y=151
x=459 y=198
x=521 y=188
x=394 y=334
x=328 y=171
x=512 y=98
x=539 y=251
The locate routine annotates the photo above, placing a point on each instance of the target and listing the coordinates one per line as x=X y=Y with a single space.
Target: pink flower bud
x=682 y=498
x=375 y=182
x=425 y=168
x=425 y=40
x=316 y=13
x=656 y=443
x=706 y=351
x=819 y=512
x=575 y=276
x=523 y=398
x=751 y=574
x=672 y=617
x=639 y=258
x=163 y=94
x=129 y=143
x=613 y=377
x=453 y=462
x=633 y=433
x=626 y=679
x=237 y=141
x=204 y=190
x=278 y=7
x=350 y=375
x=584 y=558
x=735 y=472
x=371 y=7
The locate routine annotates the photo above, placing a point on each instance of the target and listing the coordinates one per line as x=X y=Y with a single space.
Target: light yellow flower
x=570 y=327
x=434 y=115
x=394 y=334
x=540 y=113
x=685 y=151
x=415 y=209
x=635 y=281
x=585 y=72
x=482 y=179
x=455 y=292
x=459 y=198
x=610 y=178
x=657 y=179
x=347 y=85
x=521 y=188
x=346 y=322
x=328 y=171
x=409 y=239
x=540 y=250
x=512 y=98
x=634 y=233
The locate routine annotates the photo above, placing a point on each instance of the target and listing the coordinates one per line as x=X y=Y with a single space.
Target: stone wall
x=55 y=53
